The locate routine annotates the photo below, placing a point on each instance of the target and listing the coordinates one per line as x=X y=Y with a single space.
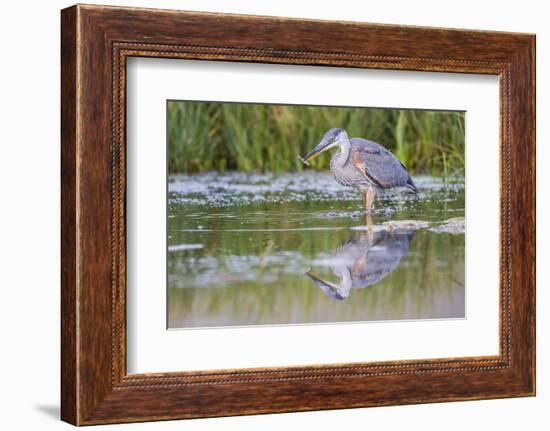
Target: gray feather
x=379 y=165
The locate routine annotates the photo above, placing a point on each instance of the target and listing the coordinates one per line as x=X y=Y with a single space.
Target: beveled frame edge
x=96 y=41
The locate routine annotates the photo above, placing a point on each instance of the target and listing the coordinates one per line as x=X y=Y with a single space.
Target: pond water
x=295 y=249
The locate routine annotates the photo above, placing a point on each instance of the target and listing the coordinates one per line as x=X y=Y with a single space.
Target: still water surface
x=293 y=248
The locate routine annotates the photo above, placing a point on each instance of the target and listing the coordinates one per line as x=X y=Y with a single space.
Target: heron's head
x=333 y=138
x=338 y=292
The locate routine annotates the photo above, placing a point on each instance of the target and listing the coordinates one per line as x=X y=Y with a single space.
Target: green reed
x=205 y=136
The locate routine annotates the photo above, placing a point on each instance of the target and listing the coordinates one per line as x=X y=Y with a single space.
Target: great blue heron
x=363 y=164
x=363 y=261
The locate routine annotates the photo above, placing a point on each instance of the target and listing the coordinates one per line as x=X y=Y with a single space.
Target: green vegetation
x=205 y=136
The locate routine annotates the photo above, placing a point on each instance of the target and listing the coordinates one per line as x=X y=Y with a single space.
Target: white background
x=153 y=349
x=29 y=227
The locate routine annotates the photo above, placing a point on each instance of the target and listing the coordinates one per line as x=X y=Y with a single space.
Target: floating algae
x=455 y=226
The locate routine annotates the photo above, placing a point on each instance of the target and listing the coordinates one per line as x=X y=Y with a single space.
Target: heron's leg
x=368 y=198
x=370 y=194
x=368 y=220
x=363 y=197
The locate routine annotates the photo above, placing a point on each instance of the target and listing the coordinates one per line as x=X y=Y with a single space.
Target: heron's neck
x=346 y=282
x=343 y=155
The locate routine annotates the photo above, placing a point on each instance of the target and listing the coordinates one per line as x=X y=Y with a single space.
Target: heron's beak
x=330 y=289
x=323 y=146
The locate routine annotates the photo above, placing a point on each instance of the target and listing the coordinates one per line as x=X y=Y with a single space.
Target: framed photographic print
x=264 y=214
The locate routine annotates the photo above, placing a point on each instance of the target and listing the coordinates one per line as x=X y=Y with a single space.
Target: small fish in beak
x=304 y=161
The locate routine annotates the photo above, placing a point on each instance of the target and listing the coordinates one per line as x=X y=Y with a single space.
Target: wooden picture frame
x=96 y=41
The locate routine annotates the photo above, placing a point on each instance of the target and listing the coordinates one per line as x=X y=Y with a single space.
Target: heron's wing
x=378 y=165
x=373 y=264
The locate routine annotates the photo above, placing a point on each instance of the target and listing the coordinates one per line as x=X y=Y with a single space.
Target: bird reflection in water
x=364 y=260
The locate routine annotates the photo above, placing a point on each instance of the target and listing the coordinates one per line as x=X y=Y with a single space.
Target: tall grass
x=204 y=136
